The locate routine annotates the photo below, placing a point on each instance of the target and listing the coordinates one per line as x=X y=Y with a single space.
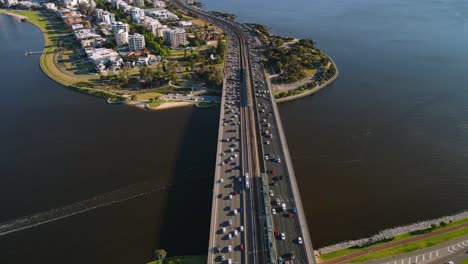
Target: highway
x=253 y=169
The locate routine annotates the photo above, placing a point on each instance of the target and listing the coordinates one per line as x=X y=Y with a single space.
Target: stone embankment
x=392 y=232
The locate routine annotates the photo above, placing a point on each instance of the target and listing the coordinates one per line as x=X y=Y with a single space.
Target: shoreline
x=313 y=90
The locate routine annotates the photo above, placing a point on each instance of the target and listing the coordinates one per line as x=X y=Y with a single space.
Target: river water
x=385 y=145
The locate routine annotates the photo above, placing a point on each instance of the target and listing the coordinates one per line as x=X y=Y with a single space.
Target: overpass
x=257 y=214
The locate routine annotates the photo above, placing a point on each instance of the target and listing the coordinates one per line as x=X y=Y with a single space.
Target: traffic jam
x=283 y=210
x=231 y=183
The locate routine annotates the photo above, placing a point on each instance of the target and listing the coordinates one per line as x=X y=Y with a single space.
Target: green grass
x=156 y=103
x=413 y=246
x=183 y=260
x=464 y=261
x=347 y=251
x=147 y=96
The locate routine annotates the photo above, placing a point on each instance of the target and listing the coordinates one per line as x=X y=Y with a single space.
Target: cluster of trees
x=211 y=76
x=293 y=61
x=159 y=76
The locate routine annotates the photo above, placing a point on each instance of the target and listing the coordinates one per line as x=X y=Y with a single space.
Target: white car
x=229 y=236
x=283 y=236
x=236 y=232
x=241 y=228
x=229 y=261
x=267 y=157
x=224 y=230
x=271 y=193
x=273 y=211
x=230 y=197
x=235 y=211
x=299 y=240
x=229 y=248
x=221 y=180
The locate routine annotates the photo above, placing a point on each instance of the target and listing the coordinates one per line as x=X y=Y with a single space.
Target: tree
x=83 y=7
x=160 y=254
x=145 y=73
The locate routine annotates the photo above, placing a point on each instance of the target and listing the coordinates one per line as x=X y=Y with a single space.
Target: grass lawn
x=156 y=103
x=146 y=96
x=347 y=251
x=183 y=260
x=310 y=72
x=413 y=246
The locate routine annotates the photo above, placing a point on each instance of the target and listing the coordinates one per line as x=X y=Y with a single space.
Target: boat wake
x=121 y=195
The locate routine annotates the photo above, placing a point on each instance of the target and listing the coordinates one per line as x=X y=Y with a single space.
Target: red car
x=277 y=233
x=234 y=193
x=272 y=172
x=242 y=247
x=290 y=215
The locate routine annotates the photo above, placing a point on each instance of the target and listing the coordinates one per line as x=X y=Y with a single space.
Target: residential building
x=162 y=14
x=85 y=33
x=189 y=2
x=159 y=4
x=102 y=55
x=185 y=24
x=121 y=37
x=136 y=42
x=137 y=14
x=139 y=3
x=151 y=25
x=9 y=3
x=175 y=37
x=160 y=31
x=116 y=26
x=104 y=16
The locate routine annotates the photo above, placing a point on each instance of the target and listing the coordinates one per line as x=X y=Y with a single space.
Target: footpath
x=345 y=259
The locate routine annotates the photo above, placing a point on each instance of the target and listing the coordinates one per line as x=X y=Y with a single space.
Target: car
x=223 y=258
x=267 y=157
x=294 y=210
x=229 y=236
x=241 y=228
x=273 y=211
x=280 y=260
x=235 y=212
x=267 y=142
x=229 y=248
x=230 y=197
x=242 y=247
x=278 y=201
x=283 y=206
x=240 y=179
x=221 y=180
x=290 y=215
x=229 y=261
x=299 y=240
x=272 y=171
x=230 y=222
x=236 y=232
x=283 y=236
x=234 y=193
x=271 y=192
x=217 y=249
x=224 y=230
x=291 y=255
x=276 y=233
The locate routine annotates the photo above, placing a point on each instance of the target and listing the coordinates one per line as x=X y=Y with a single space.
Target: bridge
x=257 y=214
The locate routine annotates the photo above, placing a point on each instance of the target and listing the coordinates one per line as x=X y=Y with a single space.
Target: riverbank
x=397 y=240
x=182 y=260
x=306 y=90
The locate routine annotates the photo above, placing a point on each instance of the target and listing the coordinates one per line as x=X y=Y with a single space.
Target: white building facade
x=136 y=42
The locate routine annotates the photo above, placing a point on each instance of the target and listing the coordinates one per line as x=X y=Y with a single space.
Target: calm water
x=387 y=143
x=59 y=147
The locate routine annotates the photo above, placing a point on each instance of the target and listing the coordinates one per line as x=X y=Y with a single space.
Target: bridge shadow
x=186 y=220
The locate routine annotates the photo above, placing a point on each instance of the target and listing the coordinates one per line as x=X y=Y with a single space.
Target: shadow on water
x=186 y=222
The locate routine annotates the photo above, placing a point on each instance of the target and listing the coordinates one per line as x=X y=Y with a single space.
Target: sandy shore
x=19 y=17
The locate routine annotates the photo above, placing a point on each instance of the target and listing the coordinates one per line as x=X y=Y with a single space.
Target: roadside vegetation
x=369 y=244
x=160 y=256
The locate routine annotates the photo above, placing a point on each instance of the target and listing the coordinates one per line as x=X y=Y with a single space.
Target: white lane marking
x=409 y=260
x=416 y=259
x=448 y=249
x=459 y=245
x=430 y=255
x=424 y=257
x=403 y=261
x=437 y=253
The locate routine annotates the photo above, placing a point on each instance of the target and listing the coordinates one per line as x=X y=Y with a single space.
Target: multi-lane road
x=257 y=215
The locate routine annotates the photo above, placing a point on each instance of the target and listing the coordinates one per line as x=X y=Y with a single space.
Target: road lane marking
x=437 y=253
x=416 y=259
x=448 y=249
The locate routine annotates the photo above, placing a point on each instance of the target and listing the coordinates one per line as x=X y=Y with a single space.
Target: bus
x=247 y=182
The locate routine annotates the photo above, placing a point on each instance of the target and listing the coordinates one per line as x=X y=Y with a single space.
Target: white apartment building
x=175 y=37
x=152 y=25
x=159 y=4
x=162 y=14
x=121 y=37
x=116 y=26
x=137 y=14
x=9 y=3
x=102 y=55
x=139 y=3
x=136 y=42
x=104 y=16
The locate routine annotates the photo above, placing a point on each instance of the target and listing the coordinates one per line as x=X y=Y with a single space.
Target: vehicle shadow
x=186 y=220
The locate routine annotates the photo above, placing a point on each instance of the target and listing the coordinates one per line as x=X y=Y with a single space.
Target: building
x=185 y=24
x=116 y=26
x=104 y=16
x=139 y=3
x=162 y=14
x=50 y=6
x=175 y=37
x=121 y=37
x=151 y=25
x=85 y=33
x=159 y=4
x=189 y=2
x=136 y=42
x=160 y=31
x=102 y=55
x=137 y=14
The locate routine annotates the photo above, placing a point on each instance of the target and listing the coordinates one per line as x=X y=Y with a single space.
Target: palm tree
x=160 y=254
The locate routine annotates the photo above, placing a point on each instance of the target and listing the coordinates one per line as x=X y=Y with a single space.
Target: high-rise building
x=116 y=26
x=136 y=42
x=137 y=14
x=175 y=37
x=121 y=37
x=139 y=3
